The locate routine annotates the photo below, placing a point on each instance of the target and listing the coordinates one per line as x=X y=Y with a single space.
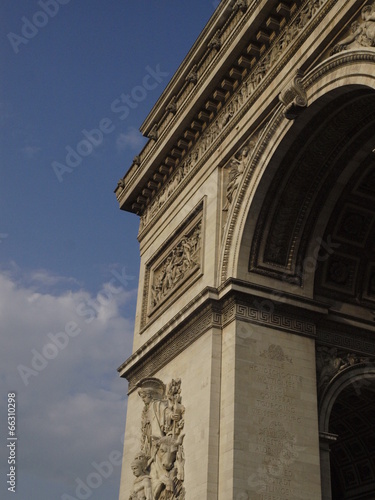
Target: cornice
x=196 y=53
x=216 y=308
x=158 y=195
x=243 y=23
x=238 y=300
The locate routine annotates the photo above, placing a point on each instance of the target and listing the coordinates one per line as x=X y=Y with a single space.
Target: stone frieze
x=181 y=262
x=173 y=266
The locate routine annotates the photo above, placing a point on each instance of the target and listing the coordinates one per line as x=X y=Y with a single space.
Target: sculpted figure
x=177 y=409
x=308 y=12
x=259 y=72
x=234 y=173
x=158 y=416
x=142 y=488
x=152 y=392
x=368 y=25
x=362 y=33
x=195 y=238
x=186 y=253
x=328 y=364
x=159 y=468
x=175 y=266
x=226 y=116
x=236 y=170
x=168 y=282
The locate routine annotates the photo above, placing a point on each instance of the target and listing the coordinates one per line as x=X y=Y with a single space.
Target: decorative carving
x=362 y=32
x=236 y=169
x=172 y=106
x=153 y=134
x=330 y=361
x=294 y=97
x=276 y=353
x=273 y=319
x=308 y=12
x=121 y=183
x=137 y=160
x=215 y=43
x=159 y=467
x=180 y=263
x=240 y=5
x=353 y=224
x=192 y=77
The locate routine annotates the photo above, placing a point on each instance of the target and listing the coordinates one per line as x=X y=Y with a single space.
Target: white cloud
x=71 y=412
x=131 y=139
x=43 y=277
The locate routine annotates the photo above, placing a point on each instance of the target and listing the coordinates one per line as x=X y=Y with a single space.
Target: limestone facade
x=256 y=296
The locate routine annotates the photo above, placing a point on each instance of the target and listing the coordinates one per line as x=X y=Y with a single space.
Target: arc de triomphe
x=253 y=368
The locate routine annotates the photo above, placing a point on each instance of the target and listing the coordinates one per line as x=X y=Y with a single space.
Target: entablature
x=233 y=42
x=237 y=69
x=214 y=309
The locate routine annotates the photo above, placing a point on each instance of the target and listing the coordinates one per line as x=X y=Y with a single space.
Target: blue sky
x=68 y=256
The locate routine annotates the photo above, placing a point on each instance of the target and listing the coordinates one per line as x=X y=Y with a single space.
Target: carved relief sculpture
x=180 y=263
x=192 y=77
x=362 y=32
x=240 y=5
x=153 y=134
x=159 y=466
x=172 y=106
x=236 y=168
x=330 y=361
x=235 y=173
x=215 y=43
x=142 y=488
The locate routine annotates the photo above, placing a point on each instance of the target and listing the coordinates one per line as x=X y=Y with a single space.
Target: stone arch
x=328 y=85
x=347 y=468
x=352 y=376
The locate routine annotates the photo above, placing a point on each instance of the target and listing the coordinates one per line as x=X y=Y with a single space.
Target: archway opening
x=304 y=178
x=353 y=454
